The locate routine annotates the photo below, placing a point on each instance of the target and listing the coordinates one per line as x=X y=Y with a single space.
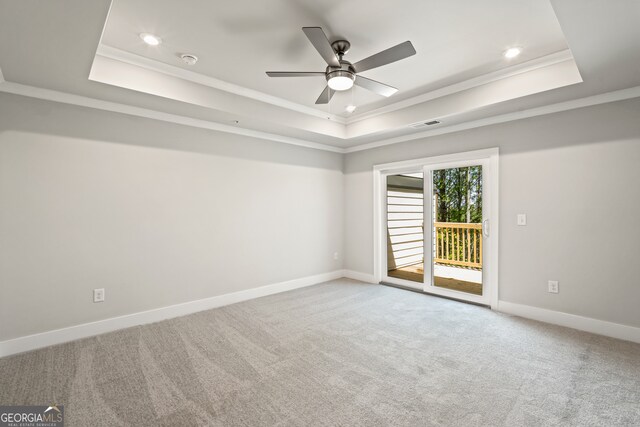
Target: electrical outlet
x=522 y=219
x=554 y=287
x=98 y=295
x=335 y=255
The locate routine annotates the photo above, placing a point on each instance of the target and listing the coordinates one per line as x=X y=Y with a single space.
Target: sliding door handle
x=485 y=228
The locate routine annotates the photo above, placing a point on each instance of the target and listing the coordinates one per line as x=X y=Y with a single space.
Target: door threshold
x=406 y=288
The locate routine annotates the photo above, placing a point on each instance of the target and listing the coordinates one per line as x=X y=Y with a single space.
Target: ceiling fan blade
x=294 y=74
x=325 y=96
x=374 y=86
x=393 y=54
x=319 y=40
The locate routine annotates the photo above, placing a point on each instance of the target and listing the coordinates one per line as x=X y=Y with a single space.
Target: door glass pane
x=457 y=229
x=405 y=226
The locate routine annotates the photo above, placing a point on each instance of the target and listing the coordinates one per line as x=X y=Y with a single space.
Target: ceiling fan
x=342 y=74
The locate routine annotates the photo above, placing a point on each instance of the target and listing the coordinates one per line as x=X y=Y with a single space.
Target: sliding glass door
x=436 y=220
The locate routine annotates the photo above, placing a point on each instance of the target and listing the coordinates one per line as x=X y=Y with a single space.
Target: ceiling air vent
x=424 y=124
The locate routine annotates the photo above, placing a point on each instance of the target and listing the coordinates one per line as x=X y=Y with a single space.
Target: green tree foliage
x=458 y=194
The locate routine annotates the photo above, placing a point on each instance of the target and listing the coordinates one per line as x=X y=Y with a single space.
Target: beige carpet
x=340 y=353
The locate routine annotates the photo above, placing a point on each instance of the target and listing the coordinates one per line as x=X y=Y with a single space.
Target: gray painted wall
x=575 y=174
x=155 y=213
x=160 y=214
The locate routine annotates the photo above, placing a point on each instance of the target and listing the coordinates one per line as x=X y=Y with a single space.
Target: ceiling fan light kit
x=340 y=80
x=341 y=74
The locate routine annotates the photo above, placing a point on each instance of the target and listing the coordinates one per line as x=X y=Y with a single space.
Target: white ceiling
x=48 y=49
x=237 y=41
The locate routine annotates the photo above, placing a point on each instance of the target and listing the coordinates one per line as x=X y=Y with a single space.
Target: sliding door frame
x=488 y=157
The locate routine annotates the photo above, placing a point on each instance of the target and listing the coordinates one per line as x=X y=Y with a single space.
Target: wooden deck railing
x=458 y=244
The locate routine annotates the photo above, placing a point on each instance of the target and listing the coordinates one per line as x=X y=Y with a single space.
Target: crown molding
x=174 y=71
x=67 y=98
x=534 y=64
x=603 y=98
x=83 y=101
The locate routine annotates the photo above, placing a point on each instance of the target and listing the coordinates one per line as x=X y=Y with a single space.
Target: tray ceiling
x=238 y=41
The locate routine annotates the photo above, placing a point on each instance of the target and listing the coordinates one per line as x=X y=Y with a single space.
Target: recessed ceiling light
x=189 y=58
x=512 y=52
x=150 y=39
x=350 y=109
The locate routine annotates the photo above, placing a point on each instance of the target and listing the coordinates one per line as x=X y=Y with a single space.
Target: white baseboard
x=58 y=336
x=588 y=324
x=356 y=275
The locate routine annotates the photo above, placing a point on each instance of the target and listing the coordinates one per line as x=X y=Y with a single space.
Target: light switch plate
x=522 y=219
x=554 y=287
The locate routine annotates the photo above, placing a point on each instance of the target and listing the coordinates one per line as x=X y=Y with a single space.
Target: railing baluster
x=450 y=244
x=475 y=242
x=453 y=244
x=465 y=235
x=457 y=245
x=464 y=245
x=447 y=242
